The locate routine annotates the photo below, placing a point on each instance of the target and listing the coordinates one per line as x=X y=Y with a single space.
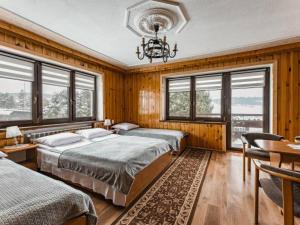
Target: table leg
x=275 y=159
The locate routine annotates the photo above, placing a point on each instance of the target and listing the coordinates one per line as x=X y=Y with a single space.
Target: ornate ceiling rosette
x=170 y=17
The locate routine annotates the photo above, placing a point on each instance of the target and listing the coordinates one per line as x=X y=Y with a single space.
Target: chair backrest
x=251 y=137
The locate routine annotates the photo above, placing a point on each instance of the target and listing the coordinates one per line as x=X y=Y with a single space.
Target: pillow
x=59 y=139
x=125 y=126
x=93 y=133
x=2 y=155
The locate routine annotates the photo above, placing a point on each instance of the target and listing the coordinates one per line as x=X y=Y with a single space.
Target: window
x=33 y=93
x=16 y=78
x=85 y=95
x=249 y=96
x=179 y=95
x=195 y=98
x=239 y=98
x=208 y=96
x=55 y=91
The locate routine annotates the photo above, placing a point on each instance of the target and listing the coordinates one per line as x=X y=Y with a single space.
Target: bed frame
x=182 y=145
x=80 y=220
x=144 y=178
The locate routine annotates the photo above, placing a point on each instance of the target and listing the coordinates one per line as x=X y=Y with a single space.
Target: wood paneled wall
x=19 y=39
x=134 y=95
x=142 y=90
x=25 y=41
x=142 y=106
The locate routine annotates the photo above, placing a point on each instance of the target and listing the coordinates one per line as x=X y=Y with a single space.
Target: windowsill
x=194 y=121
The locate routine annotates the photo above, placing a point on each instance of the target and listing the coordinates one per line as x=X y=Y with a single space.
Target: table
x=280 y=151
x=30 y=149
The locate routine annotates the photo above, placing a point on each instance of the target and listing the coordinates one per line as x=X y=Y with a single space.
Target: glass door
x=249 y=104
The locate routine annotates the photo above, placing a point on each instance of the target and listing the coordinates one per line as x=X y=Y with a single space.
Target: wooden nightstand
x=31 y=156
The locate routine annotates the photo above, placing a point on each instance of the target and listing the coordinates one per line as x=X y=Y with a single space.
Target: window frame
x=33 y=91
x=203 y=118
x=81 y=119
x=225 y=96
x=168 y=101
x=193 y=116
x=37 y=95
x=40 y=96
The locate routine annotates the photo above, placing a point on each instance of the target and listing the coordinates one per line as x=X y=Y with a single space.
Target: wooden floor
x=224 y=198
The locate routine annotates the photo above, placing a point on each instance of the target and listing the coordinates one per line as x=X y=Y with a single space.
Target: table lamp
x=13 y=132
x=107 y=123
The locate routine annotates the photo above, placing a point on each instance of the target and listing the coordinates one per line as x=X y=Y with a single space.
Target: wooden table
x=29 y=149
x=280 y=151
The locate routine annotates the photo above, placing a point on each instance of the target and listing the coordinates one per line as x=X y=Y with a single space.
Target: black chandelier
x=156 y=48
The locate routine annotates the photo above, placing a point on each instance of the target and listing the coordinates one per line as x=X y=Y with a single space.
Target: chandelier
x=156 y=48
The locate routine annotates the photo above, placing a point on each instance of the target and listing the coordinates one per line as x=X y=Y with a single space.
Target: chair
x=283 y=188
x=248 y=140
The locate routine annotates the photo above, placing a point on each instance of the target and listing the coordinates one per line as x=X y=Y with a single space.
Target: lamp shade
x=13 y=131
x=107 y=122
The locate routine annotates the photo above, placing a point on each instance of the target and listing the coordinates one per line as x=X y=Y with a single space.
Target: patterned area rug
x=172 y=198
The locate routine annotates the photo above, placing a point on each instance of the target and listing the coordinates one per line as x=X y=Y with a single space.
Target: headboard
x=31 y=135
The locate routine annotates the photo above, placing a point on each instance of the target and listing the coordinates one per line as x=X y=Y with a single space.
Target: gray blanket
x=30 y=198
x=173 y=137
x=114 y=161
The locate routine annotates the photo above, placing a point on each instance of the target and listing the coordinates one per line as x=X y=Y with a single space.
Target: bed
x=30 y=198
x=114 y=166
x=176 y=139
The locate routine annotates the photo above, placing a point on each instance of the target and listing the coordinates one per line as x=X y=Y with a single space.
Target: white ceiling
x=98 y=26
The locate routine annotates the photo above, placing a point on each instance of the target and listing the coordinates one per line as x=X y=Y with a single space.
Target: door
x=249 y=106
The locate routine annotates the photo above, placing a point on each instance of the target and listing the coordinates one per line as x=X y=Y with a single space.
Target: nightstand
x=30 y=150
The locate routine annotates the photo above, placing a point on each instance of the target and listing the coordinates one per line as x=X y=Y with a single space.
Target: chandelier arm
x=172 y=55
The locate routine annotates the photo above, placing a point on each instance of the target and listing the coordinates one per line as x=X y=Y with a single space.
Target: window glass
x=179 y=98
x=56 y=84
x=208 y=96
x=84 y=91
x=16 y=77
x=247 y=104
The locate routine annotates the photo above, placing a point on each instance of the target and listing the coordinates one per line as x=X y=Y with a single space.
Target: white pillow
x=125 y=126
x=59 y=139
x=2 y=155
x=93 y=133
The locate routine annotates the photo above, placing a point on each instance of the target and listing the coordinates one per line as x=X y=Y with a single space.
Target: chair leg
x=249 y=164
x=256 y=195
x=288 y=203
x=244 y=167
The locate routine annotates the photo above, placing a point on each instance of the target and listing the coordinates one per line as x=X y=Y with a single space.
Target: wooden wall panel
x=25 y=41
x=142 y=104
x=134 y=95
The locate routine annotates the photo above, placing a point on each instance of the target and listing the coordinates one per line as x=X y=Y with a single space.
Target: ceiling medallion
x=170 y=15
x=153 y=17
x=156 y=48
x=165 y=18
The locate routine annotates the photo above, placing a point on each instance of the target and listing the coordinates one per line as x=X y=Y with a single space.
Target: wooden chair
x=248 y=140
x=283 y=188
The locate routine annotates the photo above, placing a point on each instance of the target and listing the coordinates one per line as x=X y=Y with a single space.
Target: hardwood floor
x=224 y=199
